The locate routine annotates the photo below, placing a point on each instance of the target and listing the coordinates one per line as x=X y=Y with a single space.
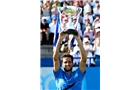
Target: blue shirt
x=64 y=80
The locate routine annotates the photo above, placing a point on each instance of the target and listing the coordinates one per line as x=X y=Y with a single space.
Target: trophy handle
x=78 y=15
x=80 y=10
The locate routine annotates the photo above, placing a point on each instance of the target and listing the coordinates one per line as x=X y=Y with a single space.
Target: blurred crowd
x=88 y=27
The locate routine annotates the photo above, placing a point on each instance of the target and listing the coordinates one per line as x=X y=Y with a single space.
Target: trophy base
x=71 y=31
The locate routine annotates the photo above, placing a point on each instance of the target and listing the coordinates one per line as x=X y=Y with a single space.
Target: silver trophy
x=71 y=11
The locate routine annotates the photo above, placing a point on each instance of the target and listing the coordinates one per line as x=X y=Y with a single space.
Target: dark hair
x=44 y=20
x=66 y=55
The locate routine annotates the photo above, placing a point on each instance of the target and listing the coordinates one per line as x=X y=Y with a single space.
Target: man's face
x=67 y=64
x=54 y=20
x=65 y=21
x=43 y=22
x=87 y=21
x=98 y=34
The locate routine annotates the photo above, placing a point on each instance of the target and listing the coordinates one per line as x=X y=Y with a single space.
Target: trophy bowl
x=71 y=31
x=71 y=11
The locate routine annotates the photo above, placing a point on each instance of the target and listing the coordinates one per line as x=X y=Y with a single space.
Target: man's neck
x=68 y=72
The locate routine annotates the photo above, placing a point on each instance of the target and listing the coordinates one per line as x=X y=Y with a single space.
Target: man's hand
x=77 y=37
x=61 y=34
x=43 y=30
x=97 y=18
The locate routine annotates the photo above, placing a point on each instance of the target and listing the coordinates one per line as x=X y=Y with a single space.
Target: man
x=44 y=32
x=66 y=79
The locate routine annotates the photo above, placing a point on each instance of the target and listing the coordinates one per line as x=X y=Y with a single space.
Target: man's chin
x=68 y=70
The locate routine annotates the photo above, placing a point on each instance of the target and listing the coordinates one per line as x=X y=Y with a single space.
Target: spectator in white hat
x=89 y=49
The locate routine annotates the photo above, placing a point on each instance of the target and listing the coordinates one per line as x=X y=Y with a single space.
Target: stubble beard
x=68 y=70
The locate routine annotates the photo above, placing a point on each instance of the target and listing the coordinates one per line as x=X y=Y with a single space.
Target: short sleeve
x=80 y=73
x=47 y=25
x=56 y=74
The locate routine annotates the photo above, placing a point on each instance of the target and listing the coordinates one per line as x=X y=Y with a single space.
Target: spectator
x=54 y=9
x=96 y=48
x=52 y=27
x=67 y=3
x=64 y=23
x=87 y=6
x=78 y=2
x=87 y=23
x=89 y=49
x=61 y=2
x=96 y=23
x=76 y=55
x=85 y=2
x=88 y=32
x=63 y=15
x=46 y=12
x=96 y=10
x=56 y=2
x=44 y=32
x=89 y=16
x=93 y=4
x=78 y=24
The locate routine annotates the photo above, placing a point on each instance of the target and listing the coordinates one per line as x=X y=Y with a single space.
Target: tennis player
x=65 y=77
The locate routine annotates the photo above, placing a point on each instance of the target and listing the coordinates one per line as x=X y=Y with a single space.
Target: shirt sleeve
x=80 y=73
x=56 y=74
x=47 y=25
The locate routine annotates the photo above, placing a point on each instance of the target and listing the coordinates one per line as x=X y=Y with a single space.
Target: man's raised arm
x=83 y=55
x=56 y=63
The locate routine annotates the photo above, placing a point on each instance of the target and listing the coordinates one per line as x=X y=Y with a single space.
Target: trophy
x=71 y=11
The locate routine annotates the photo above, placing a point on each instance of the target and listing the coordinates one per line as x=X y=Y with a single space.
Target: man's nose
x=67 y=63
